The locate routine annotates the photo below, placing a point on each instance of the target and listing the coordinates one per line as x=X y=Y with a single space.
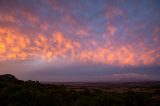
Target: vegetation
x=14 y=92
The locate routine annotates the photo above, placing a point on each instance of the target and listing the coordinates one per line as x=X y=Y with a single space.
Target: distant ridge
x=8 y=77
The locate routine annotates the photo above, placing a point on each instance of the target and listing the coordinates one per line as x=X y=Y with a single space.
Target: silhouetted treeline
x=14 y=92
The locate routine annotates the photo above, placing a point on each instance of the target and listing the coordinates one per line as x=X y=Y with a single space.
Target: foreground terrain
x=14 y=92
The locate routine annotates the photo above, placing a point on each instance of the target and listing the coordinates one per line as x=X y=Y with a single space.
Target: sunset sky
x=80 y=40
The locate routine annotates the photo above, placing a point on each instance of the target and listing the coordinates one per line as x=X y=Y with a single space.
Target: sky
x=80 y=40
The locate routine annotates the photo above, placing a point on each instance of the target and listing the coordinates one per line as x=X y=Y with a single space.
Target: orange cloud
x=7 y=18
x=32 y=18
x=82 y=33
x=148 y=57
x=155 y=34
x=17 y=46
x=112 y=12
x=111 y=29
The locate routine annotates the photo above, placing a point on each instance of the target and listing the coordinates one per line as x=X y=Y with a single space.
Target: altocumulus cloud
x=90 y=40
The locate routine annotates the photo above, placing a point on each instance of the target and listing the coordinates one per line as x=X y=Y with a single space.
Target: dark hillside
x=14 y=92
